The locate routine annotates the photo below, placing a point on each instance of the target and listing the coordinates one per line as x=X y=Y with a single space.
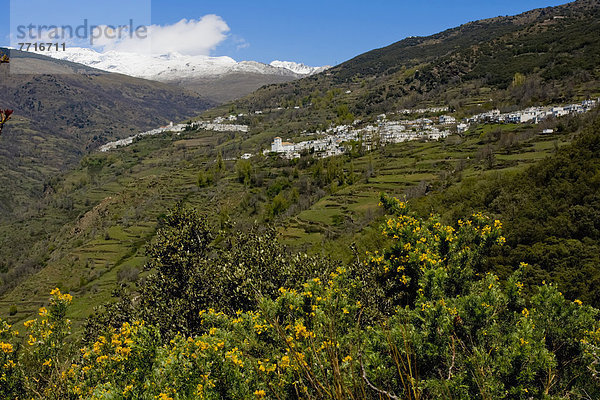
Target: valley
x=421 y=221
x=320 y=205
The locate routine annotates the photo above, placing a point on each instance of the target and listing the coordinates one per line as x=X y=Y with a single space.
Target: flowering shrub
x=4 y=114
x=46 y=354
x=419 y=320
x=10 y=377
x=428 y=258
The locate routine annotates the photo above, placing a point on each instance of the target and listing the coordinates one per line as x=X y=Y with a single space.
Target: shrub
x=418 y=320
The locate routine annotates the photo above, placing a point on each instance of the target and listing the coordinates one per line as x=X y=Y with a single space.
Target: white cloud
x=189 y=37
x=240 y=42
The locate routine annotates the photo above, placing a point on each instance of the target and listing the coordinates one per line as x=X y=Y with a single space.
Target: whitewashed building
x=278 y=146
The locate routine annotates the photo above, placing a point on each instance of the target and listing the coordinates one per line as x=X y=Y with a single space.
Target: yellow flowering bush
x=10 y=376
x=427 y=257
x=46 y=356
x=418 y=320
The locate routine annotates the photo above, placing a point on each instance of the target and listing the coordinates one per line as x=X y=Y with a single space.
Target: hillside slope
x=89 y=231
x=60 y=117
x=556 y=51
x=551 y=212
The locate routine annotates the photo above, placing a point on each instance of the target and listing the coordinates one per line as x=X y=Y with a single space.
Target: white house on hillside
x=447 y=120
x=281 y=147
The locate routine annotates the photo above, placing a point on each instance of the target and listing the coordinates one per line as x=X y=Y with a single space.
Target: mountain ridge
x=175 y=65
x=200 y=73
x=547 y=47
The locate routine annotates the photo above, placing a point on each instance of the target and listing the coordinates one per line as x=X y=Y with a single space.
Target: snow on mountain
x=298 y=68
x=175 y=66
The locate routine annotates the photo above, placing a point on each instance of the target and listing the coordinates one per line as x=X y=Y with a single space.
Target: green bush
x=417 y=320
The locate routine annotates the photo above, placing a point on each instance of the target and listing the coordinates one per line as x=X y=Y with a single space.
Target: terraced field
x=408 y=169
x=116 y=200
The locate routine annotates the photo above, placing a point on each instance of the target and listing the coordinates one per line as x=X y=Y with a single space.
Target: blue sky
x=312 y=32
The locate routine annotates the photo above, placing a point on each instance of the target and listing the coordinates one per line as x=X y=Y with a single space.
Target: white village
x=337 y=140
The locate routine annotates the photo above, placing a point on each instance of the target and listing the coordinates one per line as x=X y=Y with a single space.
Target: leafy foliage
x=194 y=269
x=4 y=117
x=4 y=114
x=551 y=211
x=449 y=332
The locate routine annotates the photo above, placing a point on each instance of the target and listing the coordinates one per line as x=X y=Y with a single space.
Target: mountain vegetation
x=550 y=211
x=417 y=320
x=62 y=116
x=178 y=269
x=469 y=68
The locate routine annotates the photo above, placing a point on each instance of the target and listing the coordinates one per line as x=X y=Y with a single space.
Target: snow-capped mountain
x=219 y=79
x=175 y=66
x=298 y=68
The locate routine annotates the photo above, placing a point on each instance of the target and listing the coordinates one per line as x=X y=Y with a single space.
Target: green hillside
x=59 y=118
x=116 y=201
x=550 y=211
x=89 y=228
x=460 y=263
x=468 y=68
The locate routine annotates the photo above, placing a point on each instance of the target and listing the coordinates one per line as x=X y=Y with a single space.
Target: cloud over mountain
x=191 y=37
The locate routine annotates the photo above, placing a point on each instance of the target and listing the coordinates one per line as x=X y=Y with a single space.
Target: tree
x=243 y=168
x=518 y=79
x=4 y=114
x=220 y=165
x=4 y=117
x=194 y=268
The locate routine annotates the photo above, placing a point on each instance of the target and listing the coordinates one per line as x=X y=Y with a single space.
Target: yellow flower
x=519 y=285
x=6 y=347
x=347 y=359
x=232 y=355
x=43 y=312
x=47 y=363
x=260 y=394
x=123 y=351
x=578 y=302
x=285 y=362
x=302 y=332
x=101 y=359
